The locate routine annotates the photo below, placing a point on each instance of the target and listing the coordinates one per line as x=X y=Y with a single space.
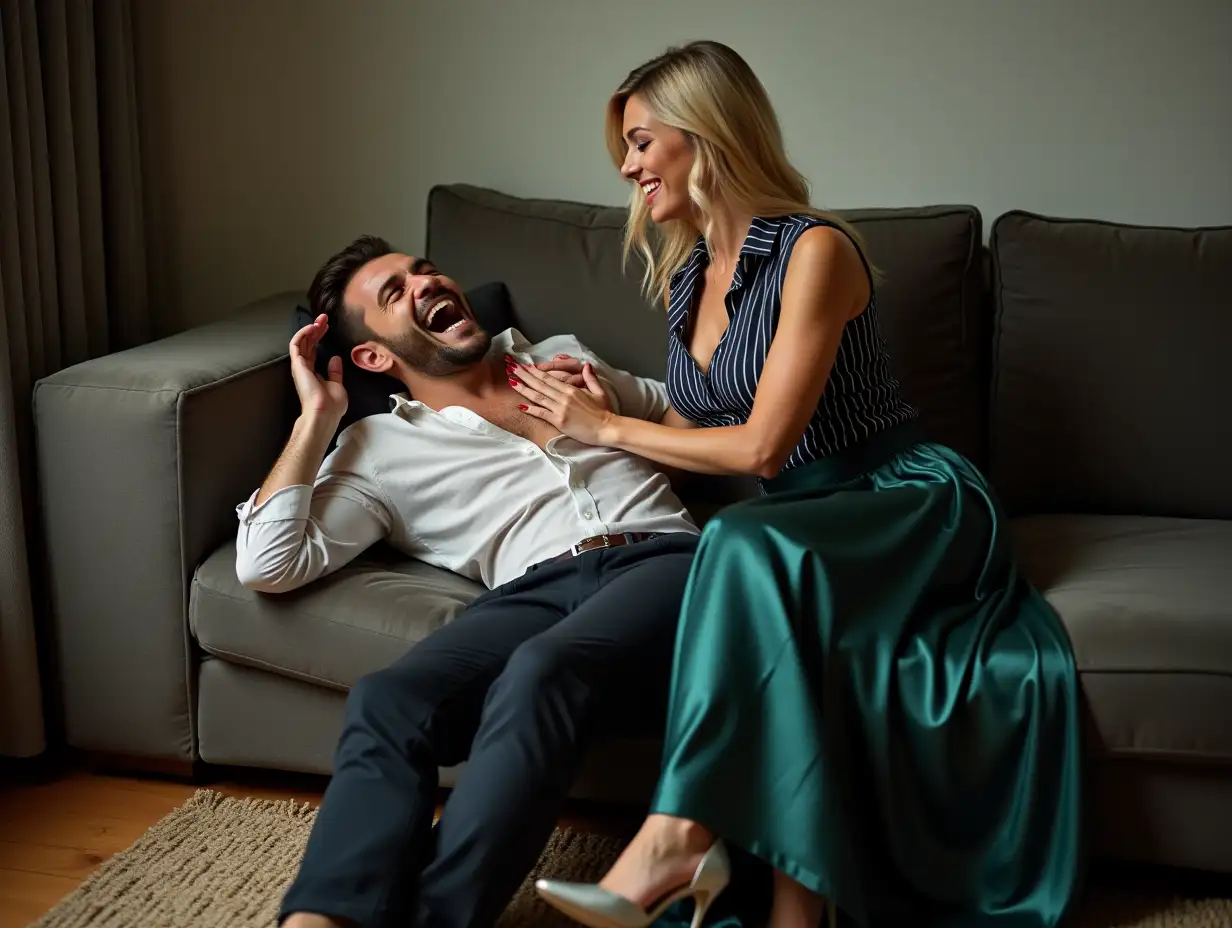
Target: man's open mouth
x=443 y=313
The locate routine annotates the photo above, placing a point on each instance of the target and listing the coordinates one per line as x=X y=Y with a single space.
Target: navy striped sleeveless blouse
x=861 y=397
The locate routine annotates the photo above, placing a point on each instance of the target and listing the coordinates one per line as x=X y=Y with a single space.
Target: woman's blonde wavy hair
x=708 y=92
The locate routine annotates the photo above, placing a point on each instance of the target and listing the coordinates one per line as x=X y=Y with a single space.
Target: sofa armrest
x=143 y=456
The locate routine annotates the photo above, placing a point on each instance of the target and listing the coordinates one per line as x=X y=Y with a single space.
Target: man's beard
x=426 y=356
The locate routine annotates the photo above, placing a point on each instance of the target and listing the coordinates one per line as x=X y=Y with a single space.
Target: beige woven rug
x=223 y=863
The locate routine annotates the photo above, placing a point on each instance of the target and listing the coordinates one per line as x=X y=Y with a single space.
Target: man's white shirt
x=457 y=492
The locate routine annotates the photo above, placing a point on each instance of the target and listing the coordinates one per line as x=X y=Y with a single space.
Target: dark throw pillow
x=368 y=393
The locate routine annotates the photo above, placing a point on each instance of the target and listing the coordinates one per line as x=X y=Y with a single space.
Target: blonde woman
x=866 y=694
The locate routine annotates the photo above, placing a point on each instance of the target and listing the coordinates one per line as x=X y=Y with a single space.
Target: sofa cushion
x=1112 y=383
x=1148 y=606
x=562 y=264
x=333 y=631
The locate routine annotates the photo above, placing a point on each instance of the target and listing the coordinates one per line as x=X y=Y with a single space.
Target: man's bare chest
x=503 y=412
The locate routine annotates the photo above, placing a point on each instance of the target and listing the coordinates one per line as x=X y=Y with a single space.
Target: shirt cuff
x=289 y=503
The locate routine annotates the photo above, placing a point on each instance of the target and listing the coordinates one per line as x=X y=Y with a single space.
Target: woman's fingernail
x=523 y=408
x=512 y=382
x=510 y=369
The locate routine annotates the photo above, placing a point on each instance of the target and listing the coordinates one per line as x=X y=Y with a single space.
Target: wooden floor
x=56 y=828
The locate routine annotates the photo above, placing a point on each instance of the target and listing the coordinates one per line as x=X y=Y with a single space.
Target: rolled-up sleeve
x=303 y=532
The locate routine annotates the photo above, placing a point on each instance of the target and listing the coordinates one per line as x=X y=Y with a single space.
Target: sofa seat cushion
x=333 y=631
x=1148 y=606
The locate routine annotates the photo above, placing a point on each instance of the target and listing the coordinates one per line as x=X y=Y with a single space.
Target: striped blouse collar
x=761 y=242
x=763 y=237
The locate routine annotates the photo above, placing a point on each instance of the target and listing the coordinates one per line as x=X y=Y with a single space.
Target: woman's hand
x=583 y=413
x=565 y=368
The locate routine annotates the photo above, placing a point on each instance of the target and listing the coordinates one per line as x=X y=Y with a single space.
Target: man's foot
x=312 y=920
x=662 y=857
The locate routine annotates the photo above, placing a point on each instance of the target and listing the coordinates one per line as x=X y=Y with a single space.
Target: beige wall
x=277 y=129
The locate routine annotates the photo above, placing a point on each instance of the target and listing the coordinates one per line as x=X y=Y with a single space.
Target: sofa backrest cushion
x=561 y=263
x=1113 y=367
x=934 y=315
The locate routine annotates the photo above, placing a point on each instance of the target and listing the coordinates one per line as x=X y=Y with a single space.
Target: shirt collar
x=762 y=239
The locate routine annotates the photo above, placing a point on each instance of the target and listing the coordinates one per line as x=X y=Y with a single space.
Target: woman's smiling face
x=659 y=159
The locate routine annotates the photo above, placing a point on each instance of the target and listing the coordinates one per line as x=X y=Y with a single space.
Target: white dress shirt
x=451 y=489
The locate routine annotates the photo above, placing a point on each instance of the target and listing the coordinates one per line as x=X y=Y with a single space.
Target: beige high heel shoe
x=599 y=908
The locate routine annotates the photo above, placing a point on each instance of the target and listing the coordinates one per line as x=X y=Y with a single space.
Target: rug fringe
x=213 y=801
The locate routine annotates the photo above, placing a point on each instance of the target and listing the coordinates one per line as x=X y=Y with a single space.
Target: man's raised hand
x=319 y=397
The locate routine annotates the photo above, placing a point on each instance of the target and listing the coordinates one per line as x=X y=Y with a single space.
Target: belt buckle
x=578 y=549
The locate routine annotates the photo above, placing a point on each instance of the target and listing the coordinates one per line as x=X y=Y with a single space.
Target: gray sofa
x=1084 y=365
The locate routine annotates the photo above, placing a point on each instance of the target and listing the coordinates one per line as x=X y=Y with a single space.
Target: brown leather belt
x=596 y=542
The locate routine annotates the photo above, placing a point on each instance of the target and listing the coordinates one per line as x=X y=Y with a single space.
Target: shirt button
x=530 y=449
x=588 y=515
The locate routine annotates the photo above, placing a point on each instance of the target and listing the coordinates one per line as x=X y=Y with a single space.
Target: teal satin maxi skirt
x=868 y=696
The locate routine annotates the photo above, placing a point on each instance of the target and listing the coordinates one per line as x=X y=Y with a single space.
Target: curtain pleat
x=72 y=273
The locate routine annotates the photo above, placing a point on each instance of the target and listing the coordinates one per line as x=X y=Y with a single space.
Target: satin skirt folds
x=868 y=695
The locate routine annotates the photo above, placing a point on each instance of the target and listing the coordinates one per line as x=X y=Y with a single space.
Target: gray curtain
x=72 y=276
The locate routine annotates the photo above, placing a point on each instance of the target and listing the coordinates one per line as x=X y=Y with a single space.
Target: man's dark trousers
x=519 y=685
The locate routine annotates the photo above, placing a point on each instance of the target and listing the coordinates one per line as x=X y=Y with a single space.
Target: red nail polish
x=523 y=408
x=512 y=382
x=510 y=369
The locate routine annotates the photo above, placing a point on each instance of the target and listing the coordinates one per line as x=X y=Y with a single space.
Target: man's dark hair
x=325 y=294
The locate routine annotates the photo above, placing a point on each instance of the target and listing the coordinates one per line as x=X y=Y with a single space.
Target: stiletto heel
x=599 y=908
x=701 y=903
